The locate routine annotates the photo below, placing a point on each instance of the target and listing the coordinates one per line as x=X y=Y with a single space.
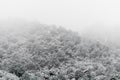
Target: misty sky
x=94 y=16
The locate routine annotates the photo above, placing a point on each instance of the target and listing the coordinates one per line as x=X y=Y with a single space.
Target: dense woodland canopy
x=35 y=51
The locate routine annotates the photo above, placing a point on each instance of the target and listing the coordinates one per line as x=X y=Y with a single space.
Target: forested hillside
x=42 y=52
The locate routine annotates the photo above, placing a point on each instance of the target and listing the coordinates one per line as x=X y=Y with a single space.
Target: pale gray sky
x=101 y=16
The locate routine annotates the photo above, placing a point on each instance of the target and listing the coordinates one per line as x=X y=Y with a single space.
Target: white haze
x=93 y=18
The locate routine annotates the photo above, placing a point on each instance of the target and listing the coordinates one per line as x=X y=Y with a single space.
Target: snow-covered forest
x=36 y=51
